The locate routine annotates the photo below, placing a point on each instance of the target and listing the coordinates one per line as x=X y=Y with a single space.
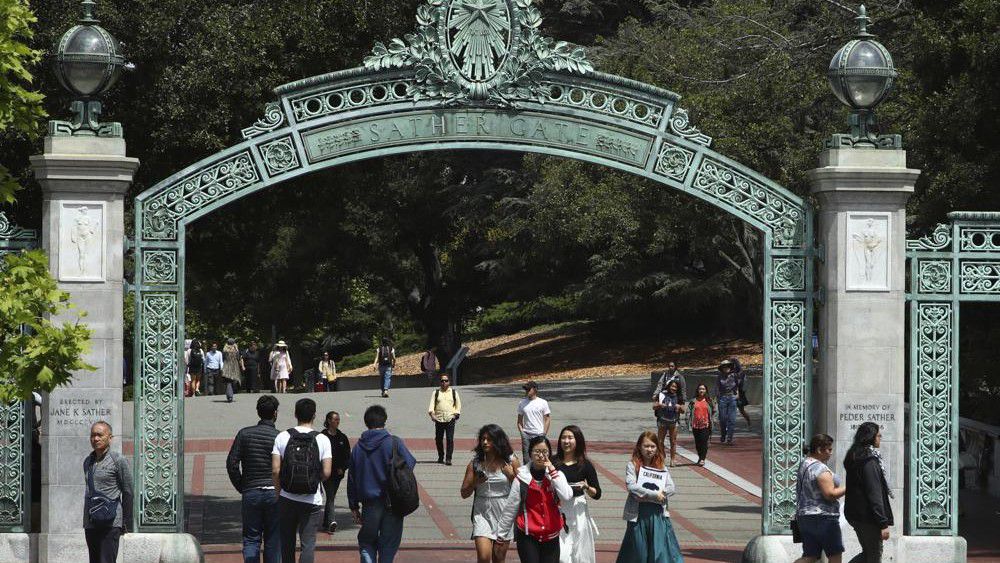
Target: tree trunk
x=429 y=305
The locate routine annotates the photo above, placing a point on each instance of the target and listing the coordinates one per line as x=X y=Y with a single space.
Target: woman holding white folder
x=649 y=535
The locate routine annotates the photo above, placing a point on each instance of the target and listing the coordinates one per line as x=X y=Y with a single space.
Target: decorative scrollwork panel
x=933 y=399
x=159 y=267
x=788 y=274
x=279 y=156
x=934 y=276
x=12 y=475
x=980 y=277
x=785 y=216
x=158 y=421
x=940 y=239
x=673 y=162
x=162 y=213
x=273 y=118
x=786 y=396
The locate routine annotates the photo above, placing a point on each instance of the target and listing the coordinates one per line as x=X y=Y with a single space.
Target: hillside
x=572 y=351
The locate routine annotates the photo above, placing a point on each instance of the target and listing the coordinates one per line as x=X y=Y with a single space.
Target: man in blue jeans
x=381 y=530
x=727 y=390
x=249 y=467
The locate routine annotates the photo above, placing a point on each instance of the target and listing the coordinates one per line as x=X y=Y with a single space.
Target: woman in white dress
x=576 y=541
x=281 y=366
x=489 y=476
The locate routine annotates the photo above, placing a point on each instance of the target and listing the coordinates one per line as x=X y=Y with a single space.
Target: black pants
x=701 y=437
x=250 y=376
x=441 y=430
x=530 y=550
x=331 y=486
x=870 y=538
x=102 y=544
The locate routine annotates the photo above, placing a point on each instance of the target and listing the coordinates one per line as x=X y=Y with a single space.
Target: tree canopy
x=420 y=244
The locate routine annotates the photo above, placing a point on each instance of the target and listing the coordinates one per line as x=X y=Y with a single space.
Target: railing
x=455 y=363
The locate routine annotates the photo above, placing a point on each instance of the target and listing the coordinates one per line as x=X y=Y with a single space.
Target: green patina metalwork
x=958 y=262
x=15 y=421
x=476 y=74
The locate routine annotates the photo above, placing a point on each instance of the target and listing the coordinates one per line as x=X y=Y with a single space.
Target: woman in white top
x=489 y=476
x=281 y=366
x=577 y=540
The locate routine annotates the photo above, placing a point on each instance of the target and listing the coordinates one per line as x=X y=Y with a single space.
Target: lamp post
x=861 y=75
x=87 y=61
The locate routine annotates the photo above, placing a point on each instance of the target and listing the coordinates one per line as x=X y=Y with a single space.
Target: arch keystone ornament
x=474 y=74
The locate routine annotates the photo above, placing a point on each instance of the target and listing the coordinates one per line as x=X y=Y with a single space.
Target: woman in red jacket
x=533 y=505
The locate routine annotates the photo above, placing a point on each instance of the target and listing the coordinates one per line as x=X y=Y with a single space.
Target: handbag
x=103 y=509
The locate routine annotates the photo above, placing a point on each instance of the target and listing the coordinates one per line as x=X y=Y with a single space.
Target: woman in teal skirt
x=649 y=536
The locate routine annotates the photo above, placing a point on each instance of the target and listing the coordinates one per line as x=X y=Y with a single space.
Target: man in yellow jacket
x=444 y=409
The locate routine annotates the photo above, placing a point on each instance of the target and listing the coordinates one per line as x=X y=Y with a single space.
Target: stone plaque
x=72 y=414
x=478 y=126
x=81 y=241
x=884 y=410
x=867 y=251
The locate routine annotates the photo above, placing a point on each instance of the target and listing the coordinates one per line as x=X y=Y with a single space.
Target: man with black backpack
x=444 y=410
x=300 y=461
x=385 y=360
x=381 y=488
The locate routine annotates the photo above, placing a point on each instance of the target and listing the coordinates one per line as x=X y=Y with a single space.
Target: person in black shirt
x=867 y=507
x=341 y=460
x=249 y=468
x=250 y=368
x=576 y=541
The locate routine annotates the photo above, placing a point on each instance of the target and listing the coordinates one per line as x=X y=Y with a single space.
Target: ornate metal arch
x=476 y=74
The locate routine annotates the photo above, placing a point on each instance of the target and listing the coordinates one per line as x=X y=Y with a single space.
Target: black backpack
x=401 y=485
x=385 y=355
x=301 y=468
x=196 y=360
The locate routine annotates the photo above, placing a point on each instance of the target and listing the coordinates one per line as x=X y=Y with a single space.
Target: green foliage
x=513 y=316
x=35 y=353
x=20 y=106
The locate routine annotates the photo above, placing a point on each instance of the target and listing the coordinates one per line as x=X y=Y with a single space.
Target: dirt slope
x=571 y=351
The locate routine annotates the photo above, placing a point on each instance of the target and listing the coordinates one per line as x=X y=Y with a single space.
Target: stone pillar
x=862 y=195
x=84 y=180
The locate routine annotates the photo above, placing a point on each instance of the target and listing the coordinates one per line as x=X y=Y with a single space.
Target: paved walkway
x=713 y=517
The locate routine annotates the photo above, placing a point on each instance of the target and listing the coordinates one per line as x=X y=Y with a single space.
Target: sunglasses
x=444 y=381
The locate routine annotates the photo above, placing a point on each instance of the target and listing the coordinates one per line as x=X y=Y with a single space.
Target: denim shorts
x=820 y=534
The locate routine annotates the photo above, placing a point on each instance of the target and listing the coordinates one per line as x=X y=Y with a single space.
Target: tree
x=20 y=107
x=34 y=352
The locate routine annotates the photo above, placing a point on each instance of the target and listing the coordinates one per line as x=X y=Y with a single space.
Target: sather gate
x=474 y=75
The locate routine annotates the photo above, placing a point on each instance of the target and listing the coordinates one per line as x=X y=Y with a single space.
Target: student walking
x=817 y=510
x=385 y=361
x=327 y=372
x=533 y=416
x=866 y=506
x=489 y=476
x=741 y=390
x=649 y=535
x=701 y=421
x=251 y=368
x=281 y=366
x=532 y=507
x=578 y=537
x=301 y=459
x=727 y=391
x=668 y=408
x=249 y=468
x=213 y=368
x=195 y=360
x=429 y=364
x=367 y=488
x=107 y=506
x=232 y=367
x=341 y=461
x=671 y=374
x=444 y=409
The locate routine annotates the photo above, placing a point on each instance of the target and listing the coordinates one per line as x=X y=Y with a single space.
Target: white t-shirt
x=533 y=411
x=325 y=452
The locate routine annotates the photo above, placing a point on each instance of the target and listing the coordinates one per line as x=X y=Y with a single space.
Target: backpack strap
x=292 y=432
x=453 y=400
